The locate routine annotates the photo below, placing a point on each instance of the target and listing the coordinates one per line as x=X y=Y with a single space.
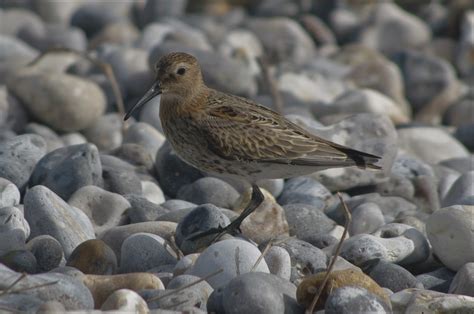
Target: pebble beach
x=97 y=213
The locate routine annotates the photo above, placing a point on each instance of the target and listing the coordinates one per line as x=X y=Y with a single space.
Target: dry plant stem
x=105 y=67
x=22 y=276
x=35 y=287
x=270 y=243
x=186 y=286
x=348 y=216
x=272 y=85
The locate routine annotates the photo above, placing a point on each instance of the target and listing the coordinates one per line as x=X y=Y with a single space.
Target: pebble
x=173 y=173
x=11 y=218
x=366 y=218
x=279 y=262
x=463 y=282
x=185 y=263
x=102 y=286
x=67 y=169
x=135 y=155
x=68 y=291
x=391 y=276
x=125 y=300
x=61 y=101
x=461 y=190
x=105 y=132
x=119 y=176
x=267 y=222
x=188 y=300
x=209 y=190
x=104 y=209
x=233 y=256
x=437 y=280
x=119 y=33
x=53 y=141
x=142 y=210
x=354 y=300
x=18 y=157
x=9 y=193
x=143 y=134
x=143 y=251
x=21 y=302
x=152 y=192
x=263 y=293
x=304 y=190
x=49 y=36
x=200 y=219
x=306 y=259
x=418 y=300
x=93 y=257
x=14 y=240
x=115 y=236
x=12 y=114
x=307 y=221
x=22 y=261
x=48 y=214
x=14 y=49
x=337 y=279
x=451 y=235
x=92 y=17
x=47 y=251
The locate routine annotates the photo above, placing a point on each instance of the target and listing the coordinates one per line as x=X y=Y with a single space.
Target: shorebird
x=231 y=136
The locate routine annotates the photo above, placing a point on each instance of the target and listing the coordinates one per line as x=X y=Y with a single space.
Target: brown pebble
x=93 y=257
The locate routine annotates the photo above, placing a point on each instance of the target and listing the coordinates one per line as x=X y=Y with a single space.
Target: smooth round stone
x=176 y=204
x=184 y=280
x=307 y=221
x=263 y=293
x=51 y=307
x=104 y=208
x=199 y=219
x=456 y=115
x=209 y=190
x=119 y=176
x=115 y=236
x=463 y=282
x=15 y=19
x=125 y=300
x=93 y=17
x=304 y=190
x=437 y=280
x=366 y=218
x=363 y=247
x=337 y=279
x=391 y=276
x=464 y=134
x=451 y=235
x=156 y=10
x=274 y=186
x=22 y=261
x=367 y=100
x=460 y=165
x=141 y=209
x=122 y=33
x=102 y=286
x=15 y=49
x=48 y=214
x=54 y=35
x=185 y=263
x=283 y=39
x=18 y=157
x=143 y=251
x=152 y=192
x=53 y=141
x=105 y=132
x=306 y=259
x=66 y=290
x=47 y=251
x=52 y=97
x=67 y=169
x=322 y=241
x=368 y=132
x=460 y=190
x=73 y=138
x=12 y=114
x=223 y=255
x=143 y=134
x=173 y=173
x=136 y=155
x=354 y=299
x=19 y=302
x=12 y=218
x=267 y=222
x=187 y=300
x=12 y=240
x=93 y=257
x=422 y=141
x=424 y=301
x=279 y=262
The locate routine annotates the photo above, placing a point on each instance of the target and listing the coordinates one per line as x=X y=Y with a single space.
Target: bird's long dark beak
x=155 y=90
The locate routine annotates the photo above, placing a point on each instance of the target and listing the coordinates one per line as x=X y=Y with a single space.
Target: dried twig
x=270 y=243
x=348 y=216
x=35 y=287
x=185 y=286
x=22 y=276
x=272 y=85
x=105 y=68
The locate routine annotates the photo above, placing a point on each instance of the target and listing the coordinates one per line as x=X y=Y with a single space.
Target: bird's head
x=178 y=76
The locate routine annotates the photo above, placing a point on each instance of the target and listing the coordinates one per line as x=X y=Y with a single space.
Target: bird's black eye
x=181 y=71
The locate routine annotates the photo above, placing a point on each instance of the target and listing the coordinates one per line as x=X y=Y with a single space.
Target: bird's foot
x=233 y=229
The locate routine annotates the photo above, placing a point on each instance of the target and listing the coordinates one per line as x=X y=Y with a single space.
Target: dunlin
x=231 y=136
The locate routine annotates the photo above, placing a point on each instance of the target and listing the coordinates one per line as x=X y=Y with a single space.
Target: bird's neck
x=176 y=106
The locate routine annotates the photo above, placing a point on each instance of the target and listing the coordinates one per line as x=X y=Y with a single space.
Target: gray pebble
x=209 y=190
x=143 y=134
x=119 y=176
x=143 y=251
x=20 y=302
x=460 y=190
x=142 y=210
x=366 y=218
x=304 y=190
x=351 y=299
x=105 y=132
x=67 y=169
x=12 y=218
x=52 y=139
x=47 y=250
x=48 y=214
x=307 y=221
x=22 y=261
x=391 y=276
x=437 y=280
x=463 y=282
x=279 y=262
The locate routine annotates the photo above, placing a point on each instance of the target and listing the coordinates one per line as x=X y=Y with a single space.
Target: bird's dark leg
x=234 y=227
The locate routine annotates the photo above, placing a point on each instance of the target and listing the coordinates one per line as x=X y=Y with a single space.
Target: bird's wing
x=243 y=130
